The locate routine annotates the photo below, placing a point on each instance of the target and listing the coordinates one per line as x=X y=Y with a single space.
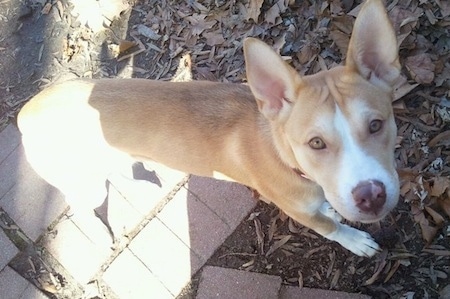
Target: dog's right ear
x=272 y=81
x=373 y=49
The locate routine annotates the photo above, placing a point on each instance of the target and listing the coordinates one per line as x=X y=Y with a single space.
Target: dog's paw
x=358 y=242
x=328 y=211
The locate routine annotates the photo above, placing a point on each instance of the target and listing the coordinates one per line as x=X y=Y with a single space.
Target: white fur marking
x=358 y=242
x=330 y=212
x=356 y=165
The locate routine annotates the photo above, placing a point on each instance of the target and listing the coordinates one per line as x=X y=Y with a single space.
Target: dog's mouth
x=370 y=212
x=357 y=215
x=354 y=214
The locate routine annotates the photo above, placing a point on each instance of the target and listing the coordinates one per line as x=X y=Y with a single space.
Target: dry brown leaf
x=313 y=251
x=445 y=9
x=431 y=17
x=381 y=264
x=248 y=264
x=440 y=185
x=259 y=235
x=428 y=231
x=148 y=32
x=214 y=38
x=293 y=228
x=332 y=256
x=437 y=218
x=199 y=23
x=336 y=7
x=46 y=9
x=437 y=252
x=402 y=88
x=392 y=271
x=254 y=10
x=300 y=279
x=335 y=279
x=204 y=73
x=442 y=137
x=273 y=227
x=125 y=45
x=307 y=53
x=274 y=12
x=341 y=39
x=278 y=244
x=355 y=11
x=444 y=203
x=421 y=68
x=200 y=6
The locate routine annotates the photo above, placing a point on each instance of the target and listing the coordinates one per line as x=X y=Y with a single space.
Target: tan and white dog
x=301 y=142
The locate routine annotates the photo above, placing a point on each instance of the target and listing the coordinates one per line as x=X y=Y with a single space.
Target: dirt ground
x=43 y=41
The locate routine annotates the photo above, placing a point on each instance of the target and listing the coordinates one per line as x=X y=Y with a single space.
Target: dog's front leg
x=358 y=242
x=325 y=221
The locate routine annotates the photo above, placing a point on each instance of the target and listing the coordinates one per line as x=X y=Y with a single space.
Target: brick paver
x=29 y=200
x=288 y=292
x=12 y=285
x=9 y=140
x=7 y=249
x=216 y=282
x=122 y=215
x=191 y=220
x=164 y=180
x=129 y=278
x=167 y=257
x=31 y=292
x=229 y=200
x=9 y=170
x=75 y=251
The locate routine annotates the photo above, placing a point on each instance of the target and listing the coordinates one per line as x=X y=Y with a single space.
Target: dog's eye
x=317 y=143
x=375 y=126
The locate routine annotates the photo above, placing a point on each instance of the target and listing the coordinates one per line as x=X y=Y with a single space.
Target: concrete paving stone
x=122 y=218
x=32 y=292
x=9 y=139
x=152 y=186
x=12 y=285
x=75 y=251
x=91 y=227
x=129 y=278
x=7 y=248
x=9 y=170
x=167 y=257
x=289 y=292
x=216 y=282
x=194 y=223
x=30 y=202
x=231 y=201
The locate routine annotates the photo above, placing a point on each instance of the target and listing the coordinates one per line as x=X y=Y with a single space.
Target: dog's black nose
x=369 y=196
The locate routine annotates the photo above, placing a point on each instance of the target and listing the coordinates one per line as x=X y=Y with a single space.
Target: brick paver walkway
x=170 y=229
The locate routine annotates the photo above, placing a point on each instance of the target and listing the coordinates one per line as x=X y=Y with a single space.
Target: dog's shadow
x=140 y=173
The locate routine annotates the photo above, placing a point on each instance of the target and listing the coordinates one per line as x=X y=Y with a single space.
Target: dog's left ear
x=373 y=50
x=273 y=82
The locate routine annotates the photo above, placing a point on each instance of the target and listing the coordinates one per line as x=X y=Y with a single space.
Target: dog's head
x=337 y=127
